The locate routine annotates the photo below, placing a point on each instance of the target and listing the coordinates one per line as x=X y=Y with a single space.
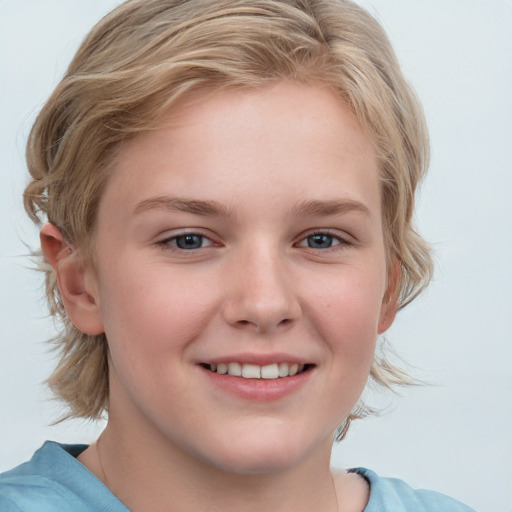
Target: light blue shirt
x=54 y=481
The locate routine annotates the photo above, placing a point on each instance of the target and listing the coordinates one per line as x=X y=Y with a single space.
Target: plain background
x=453 y=436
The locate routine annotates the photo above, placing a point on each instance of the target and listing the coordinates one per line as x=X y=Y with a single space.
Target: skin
x=256 y=283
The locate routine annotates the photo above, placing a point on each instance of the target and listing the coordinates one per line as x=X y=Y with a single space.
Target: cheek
x=148 y=314
x=150 y=321
x=348 y=315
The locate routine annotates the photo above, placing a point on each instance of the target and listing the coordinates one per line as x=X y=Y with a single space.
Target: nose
x=261 y=295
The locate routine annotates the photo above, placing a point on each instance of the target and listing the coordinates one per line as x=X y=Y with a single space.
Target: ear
x=389 y=305
x=77 y=282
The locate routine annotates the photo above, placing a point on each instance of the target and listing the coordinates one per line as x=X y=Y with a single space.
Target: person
x=227 y=192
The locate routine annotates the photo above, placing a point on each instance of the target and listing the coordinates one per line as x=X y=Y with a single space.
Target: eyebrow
x=215 y=209
x=193 y=206
x=332 y=207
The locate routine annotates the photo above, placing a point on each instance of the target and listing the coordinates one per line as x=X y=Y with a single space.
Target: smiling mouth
x=254 y=371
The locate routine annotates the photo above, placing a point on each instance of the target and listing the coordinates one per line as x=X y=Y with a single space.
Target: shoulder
x=54 y=480
x=394 y=495
x=7 y=505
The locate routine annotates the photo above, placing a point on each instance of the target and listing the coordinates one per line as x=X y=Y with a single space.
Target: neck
x=146 y=474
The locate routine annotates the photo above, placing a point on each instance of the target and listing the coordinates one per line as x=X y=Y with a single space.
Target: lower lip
x=258 y=390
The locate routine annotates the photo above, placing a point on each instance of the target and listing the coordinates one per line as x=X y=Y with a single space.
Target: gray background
x=454 y=435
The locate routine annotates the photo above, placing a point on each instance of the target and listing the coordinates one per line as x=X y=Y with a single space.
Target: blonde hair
x=145 y=55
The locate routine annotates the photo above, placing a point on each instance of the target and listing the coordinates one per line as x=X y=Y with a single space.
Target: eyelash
x=342 y=241
x=171 y=243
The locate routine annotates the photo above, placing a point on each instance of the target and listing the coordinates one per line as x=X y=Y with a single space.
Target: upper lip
x=257 y=359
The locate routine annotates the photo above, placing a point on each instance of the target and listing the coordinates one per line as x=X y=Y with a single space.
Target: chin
x=267 y=451
x=252 y=463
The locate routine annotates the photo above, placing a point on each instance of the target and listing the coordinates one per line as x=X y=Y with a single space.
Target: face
x=244 y=235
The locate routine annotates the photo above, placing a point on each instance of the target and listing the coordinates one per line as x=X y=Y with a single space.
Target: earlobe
x=389 y=305
x=76 y=281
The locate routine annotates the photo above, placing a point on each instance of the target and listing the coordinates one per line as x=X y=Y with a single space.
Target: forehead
x=285 y=142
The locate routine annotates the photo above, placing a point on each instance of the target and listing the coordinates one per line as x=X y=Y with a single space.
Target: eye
x=187 y=242
x=322 y=240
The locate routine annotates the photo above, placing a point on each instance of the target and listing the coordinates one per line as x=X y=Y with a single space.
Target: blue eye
x=186 y=243
x=189 y=241
x=321 y=241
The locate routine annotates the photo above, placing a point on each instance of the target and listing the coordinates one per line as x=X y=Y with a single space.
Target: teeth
x=254 y=371
x=284 y=370
x=251 y=371
x=270 y=371
x=235 y=369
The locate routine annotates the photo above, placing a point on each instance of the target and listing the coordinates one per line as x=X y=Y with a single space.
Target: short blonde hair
x=144 y=56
